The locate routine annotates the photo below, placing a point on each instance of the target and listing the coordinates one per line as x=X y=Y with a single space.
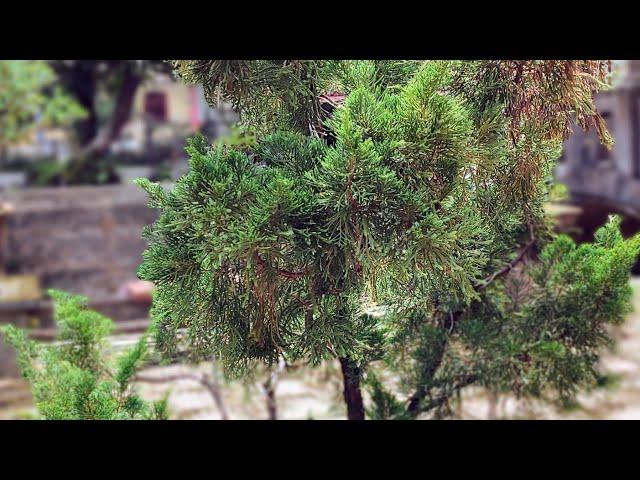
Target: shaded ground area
x=316 y=394
x=303 y=394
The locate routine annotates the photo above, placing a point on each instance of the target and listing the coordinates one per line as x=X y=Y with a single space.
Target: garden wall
x=83 y=239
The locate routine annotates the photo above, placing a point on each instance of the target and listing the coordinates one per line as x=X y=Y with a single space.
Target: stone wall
x=591 y=172
x=85 y=240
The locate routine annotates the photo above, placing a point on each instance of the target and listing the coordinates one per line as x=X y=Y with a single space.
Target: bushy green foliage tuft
x=73 y=379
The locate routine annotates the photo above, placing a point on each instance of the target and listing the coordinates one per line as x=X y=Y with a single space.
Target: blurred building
x=603 y=181
x=163 y=114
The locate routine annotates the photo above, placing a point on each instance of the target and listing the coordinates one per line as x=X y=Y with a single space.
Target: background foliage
x=29 y=99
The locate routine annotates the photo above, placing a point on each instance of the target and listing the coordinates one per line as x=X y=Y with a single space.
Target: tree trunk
x=121 y=113
x=269 y=389
x=352 y=393
x=272 y=405
x=82 y=83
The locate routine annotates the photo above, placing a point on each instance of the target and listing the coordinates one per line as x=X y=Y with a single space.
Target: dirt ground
x=316 y=394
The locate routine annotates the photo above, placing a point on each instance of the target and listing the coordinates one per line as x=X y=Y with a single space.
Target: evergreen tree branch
x=509 y=266
x=414 y=405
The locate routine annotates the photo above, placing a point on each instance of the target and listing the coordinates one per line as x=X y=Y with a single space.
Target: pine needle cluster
x=76 y=378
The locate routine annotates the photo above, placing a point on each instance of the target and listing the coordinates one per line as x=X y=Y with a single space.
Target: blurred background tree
x=120 y=79
x=118 y=82
x=31 y=98
x=95 y=102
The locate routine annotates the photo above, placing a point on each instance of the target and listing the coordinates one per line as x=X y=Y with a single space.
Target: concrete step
x=14 y=393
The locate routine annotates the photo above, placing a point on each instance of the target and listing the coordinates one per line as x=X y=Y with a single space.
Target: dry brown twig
x=210 y=382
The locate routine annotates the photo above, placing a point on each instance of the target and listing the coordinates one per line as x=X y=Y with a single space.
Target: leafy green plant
x=45 y=172
x=389 y=214
x=74 y=379
x=558 y=192
x=30 y=99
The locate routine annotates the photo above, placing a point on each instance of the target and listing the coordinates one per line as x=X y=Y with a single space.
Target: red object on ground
x=140 y=291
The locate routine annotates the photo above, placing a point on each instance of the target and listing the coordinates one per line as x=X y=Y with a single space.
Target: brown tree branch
x=280 y=271
x=509 y=266
x=269 y=389
x=414 y=404
x=443 y=396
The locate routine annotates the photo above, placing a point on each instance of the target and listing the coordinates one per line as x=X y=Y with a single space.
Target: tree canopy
x=389 y=214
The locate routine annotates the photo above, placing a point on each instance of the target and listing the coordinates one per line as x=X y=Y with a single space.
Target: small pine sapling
x=74 y=378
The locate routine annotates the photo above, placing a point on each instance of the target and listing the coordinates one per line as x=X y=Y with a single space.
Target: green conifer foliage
x=74 y=379
x=400 y=229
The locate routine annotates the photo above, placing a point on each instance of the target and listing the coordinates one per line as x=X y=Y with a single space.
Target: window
x=155 y=106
